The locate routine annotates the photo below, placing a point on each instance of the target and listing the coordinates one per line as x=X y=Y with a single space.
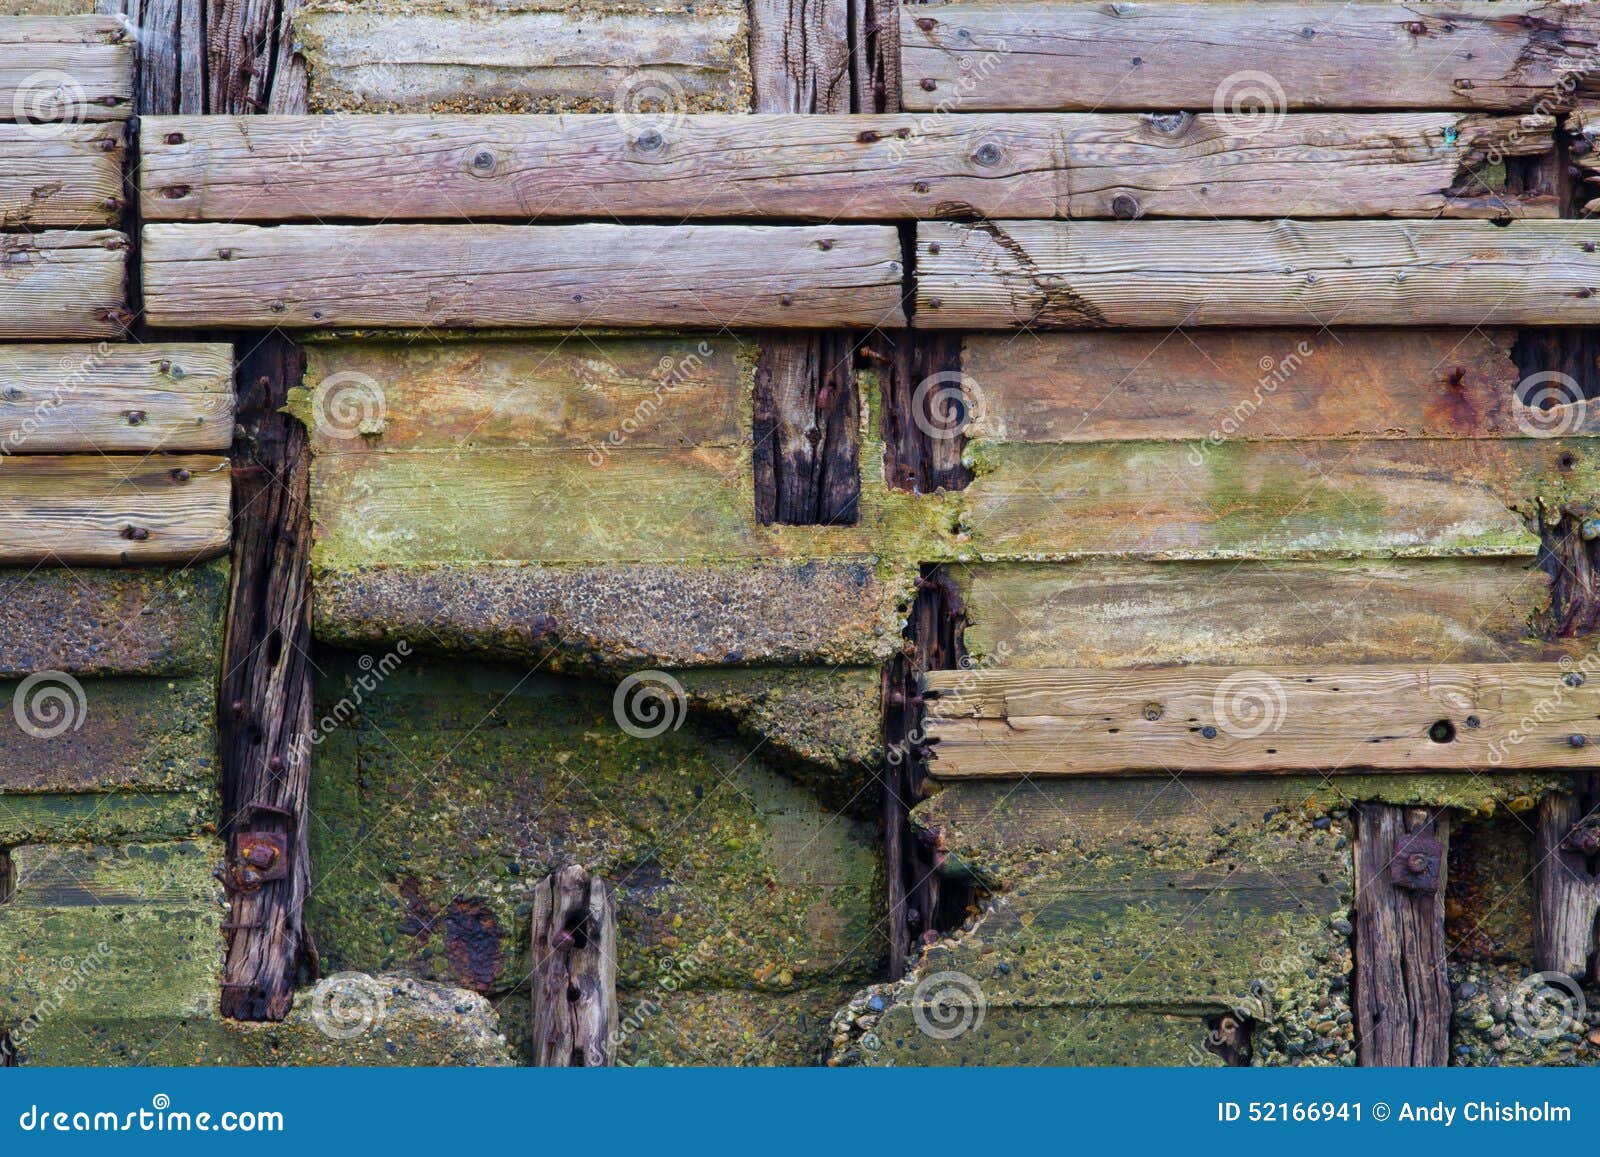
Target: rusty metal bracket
x=1417 y=863
x=1583 y=839
x=259 y=856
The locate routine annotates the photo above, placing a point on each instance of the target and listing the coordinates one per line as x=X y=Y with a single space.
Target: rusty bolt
x=277 y=307
x=786 y=299
x=261 y=855
x=825 y=244
x=108 y=144
x=933 y=247
x=919 y=187
x=1416 y=864
x=174 y=138
x=179 y=475
x=934 y=303
x=1576 y=740
x=1416 y=28
x=927 y=84
x=111 y=204
x=136 y=533
x=174 y=192
x=1588 y=246
x=135 y=417
x=927 y=23
x=866 y=137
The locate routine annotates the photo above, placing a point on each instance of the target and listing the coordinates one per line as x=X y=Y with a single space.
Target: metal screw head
x=927 y=84
x=1208 y=732
x=987 y=154
x=1573 y=679
x=135 y=417
x=1152 y=711
x=1124 y=207
x=135 y=533
x=1577 y=740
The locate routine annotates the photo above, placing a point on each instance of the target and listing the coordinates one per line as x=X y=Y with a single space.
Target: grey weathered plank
x=1256 y=59
x=108 y=398
x=58 y=70
x=1258 y=385
x=834 y=167
x=298 y=276
x=1088 y=721
x=1053 y=274
x=71 y=176
x=113 y=511
x=62 y=284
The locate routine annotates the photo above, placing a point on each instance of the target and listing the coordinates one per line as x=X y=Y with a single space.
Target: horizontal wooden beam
x=1260 y=385
x=1052 y=274
x=834 y=168
x=56 y=71
x=1464 y=717
x=463 y=276
x=63 y=285
x=70 y=176
x=105 y=398
x=1252 y=59
x=113 y=511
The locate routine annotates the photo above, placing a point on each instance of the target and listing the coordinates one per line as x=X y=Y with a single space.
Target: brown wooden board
x=111 y=398
x=453 y=276
x=1253 y=59
x=835 y=167
x=1451 y=717
x=70 y=176
x=62 y=285
x=113 y=511
x=1261 y=385
x=1051 y=274
x=56 y=71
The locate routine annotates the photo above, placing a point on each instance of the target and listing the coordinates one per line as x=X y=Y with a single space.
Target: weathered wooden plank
x=506 y=275
x=70 y=176
x=1258 y=385
x=1566 y=889
x=56 y=71
x=1262 y=499
x=806 y=430
x=62 y=284
x=115 y=398
x=604 y=395
x=557 y=506
x=1402 y=981
x=646 y=615
x=1253 y=59
x=800 y=56
x=1074 y=721
x=144 y=621
x=1125 y=614
x=574 y=980
x=835 y=168
x=528 y=56
x=113 y=511
x=1231 y=273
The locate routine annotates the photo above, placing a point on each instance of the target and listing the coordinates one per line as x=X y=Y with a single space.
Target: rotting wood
x=252 y=65
x=115 y=398
x=70 y=176
x=836 y=167
x=507 y=275
x=60 y=284
x=94 y=510
x=1566 y=840
x=806 y=434
x=1401 y=984
x=1265 y=500
x=1246 y=613
x=1255 y=385
x=800 y=56
x=64 y=69
x=1448 y=717
x=574 y=975
x=1050 y=274
x=925 y=411
x=264 y=697
x=1254 y=59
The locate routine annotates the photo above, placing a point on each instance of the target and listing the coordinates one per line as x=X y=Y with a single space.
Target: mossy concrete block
x=347 y=1020
x=128 y=933
x=104 y=817
x=64 y=735
x=724 y=1027
x=454 y=789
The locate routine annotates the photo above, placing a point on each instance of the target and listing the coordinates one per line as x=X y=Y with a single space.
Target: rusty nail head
x=933 y=247
x=179 y=474
x=174 y=138
x=135 y=417
x=928 y=84
x=1576 y=740
x=135 y=533
x=1152 y=711
x=927 y=23
x=1416 y=864
x=1124 y=207
x=1573 y=679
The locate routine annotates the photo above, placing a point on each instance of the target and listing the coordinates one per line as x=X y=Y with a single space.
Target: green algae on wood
x=104 y=817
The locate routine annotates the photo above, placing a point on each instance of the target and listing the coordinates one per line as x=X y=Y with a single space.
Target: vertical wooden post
x=574 y=971
x=1566 y=845
x=1402 y=988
